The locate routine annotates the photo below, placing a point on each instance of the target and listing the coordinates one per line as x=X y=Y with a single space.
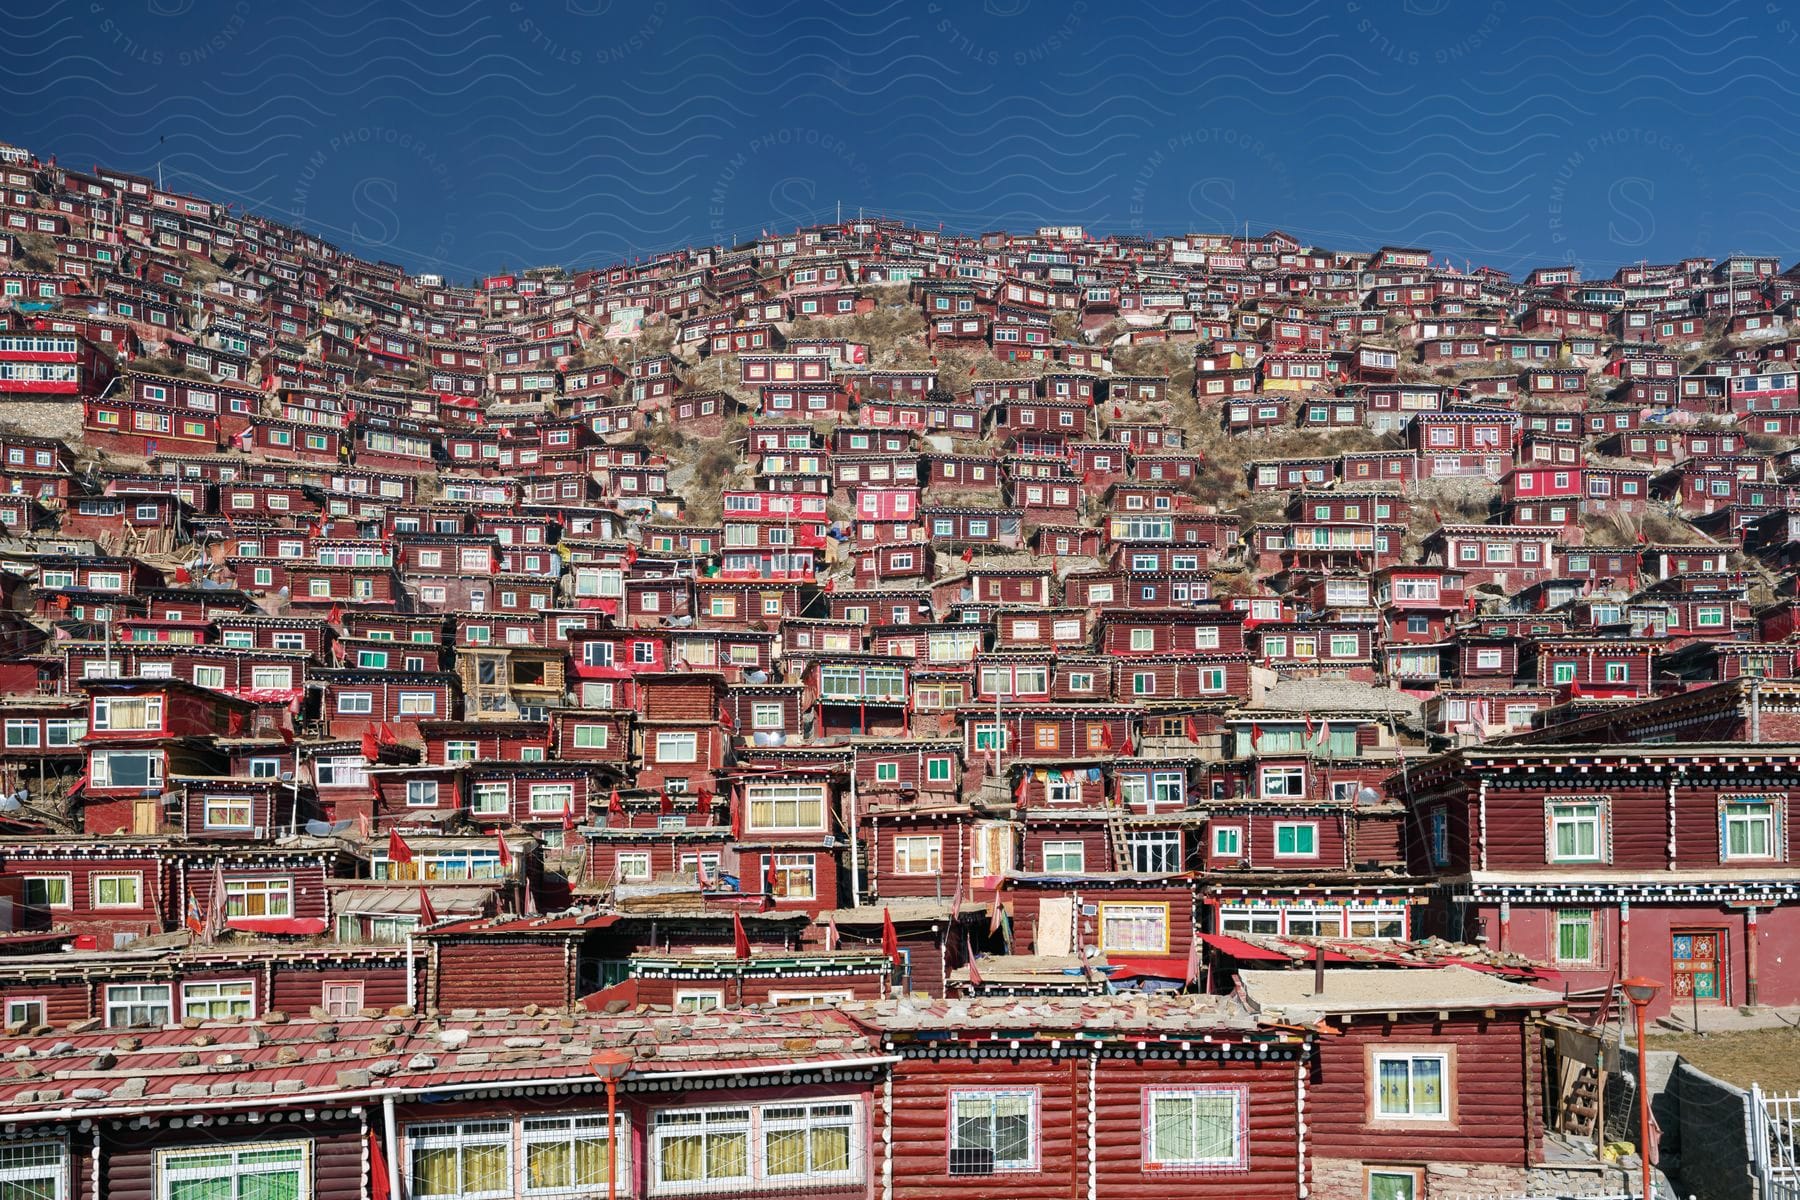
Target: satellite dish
x=319 y=828
x=11 y=803
x=1368 y=795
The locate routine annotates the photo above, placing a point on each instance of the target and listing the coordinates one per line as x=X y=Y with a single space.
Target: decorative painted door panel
x=1698 y=964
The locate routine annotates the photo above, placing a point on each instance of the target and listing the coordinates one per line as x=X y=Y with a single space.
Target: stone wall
x=1345 y=1179
x=1704 y=1151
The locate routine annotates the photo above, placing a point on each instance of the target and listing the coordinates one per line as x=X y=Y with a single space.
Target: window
x=937 y=769
x=421 y=793
x=697 y=1149
x=675 y=747
x=1575 y=935
x=1064 y=858
x=1228 y=841
x=421 y=704
x=272 y=677
x=259 y=898
x=22 y=735
x=1285 y=782
x=1410 y=1086
x=569 y=1154
x=217 y=1001
x=257 y=1171
x=633 y=866
x=552 y=798
x=470 y=1160
x=134 y=1005
x=992 y=1131
x=783 y=806
x=345 y=771
x=46 y=891
x=227 y=812
x=1296 y=839
x=1396 y=1183
x=1143 y=639
x=919 y=854
x=34 y=1170
x=128 y=713
x=1193 y=1127
x=117 y=891
x=808 y=1142
x=342 y=999
x=1749 y=829
x=1134 y=928
x=1155 y=852
x=1577 y=832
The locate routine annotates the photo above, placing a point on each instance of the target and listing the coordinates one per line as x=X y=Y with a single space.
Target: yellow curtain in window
x=728 y=1155
x=831 y=1148
x=434 y=1171
x=678 y=1159
x=786 y=1151
x=590 y=1162
x=547 y=1165
x=484 y=1169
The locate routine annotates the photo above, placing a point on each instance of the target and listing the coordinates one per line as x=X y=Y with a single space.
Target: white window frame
x=1234 y=1155
x=991 y=1096
x=1410 y=1057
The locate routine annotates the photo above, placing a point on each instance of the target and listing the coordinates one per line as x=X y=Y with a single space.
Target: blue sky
x=474 y=135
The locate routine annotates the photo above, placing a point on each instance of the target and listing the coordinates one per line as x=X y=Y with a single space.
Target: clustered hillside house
x=865 y=710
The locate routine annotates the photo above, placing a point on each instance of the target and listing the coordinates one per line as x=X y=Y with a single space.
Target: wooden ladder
x=1121 y=842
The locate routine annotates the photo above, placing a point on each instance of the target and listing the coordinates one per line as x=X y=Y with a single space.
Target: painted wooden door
x=1698 y=964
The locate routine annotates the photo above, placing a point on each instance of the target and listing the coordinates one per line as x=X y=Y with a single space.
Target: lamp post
x=1641 y=992
x=609 y=1065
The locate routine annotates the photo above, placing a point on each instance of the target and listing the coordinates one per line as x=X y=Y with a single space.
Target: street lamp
x=609 y=1065
x=1641 y=992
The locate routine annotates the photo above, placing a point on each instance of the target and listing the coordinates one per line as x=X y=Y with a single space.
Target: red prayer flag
x=398 y=850
x=427 y=914
x=1193 y=730
x=616 y=805
x=1106 y=736
x=334 y=615
x=975 y=979
x=890 y=939
x=506 y=858
x=737 y=820
x=769 y=877
x=831 y=933
x=968 y=554
x=371 y=748
x=568 y=820
x=1255 y=734
x=378 y=1171
x=726 y=720
x=666 y=803
x=740 y=941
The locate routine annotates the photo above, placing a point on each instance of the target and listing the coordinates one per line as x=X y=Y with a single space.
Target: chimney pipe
x=1318 y=970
